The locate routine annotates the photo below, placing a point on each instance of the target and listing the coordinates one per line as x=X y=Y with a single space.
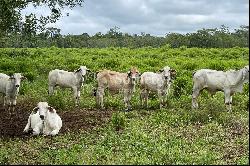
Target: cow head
x=83 y=70
x=16 y=78
x=172 y=73
x=43 y=109
x=166 y=73
x=245 y=73
x=133 y=73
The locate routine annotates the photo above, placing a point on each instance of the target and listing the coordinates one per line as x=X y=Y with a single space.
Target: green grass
x=173 y=135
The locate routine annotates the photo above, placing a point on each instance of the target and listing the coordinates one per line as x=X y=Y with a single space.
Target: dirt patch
x=12 y=123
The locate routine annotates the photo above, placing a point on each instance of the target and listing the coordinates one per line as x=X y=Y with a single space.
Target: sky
x=156 y=17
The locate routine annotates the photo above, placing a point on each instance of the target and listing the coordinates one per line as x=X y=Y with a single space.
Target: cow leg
x=9 y=108
x=231 y=102
x=228 y=99
x=4 y=100
x=54 y=132
x=7 y=103
x=75 y=95
x=160 y=98
x=143 y=97
x=26 y=129
x=129 y=99
x=164 y=95
x=195 y=95
x=36 y=130
x=146 y=98
x=99 y=97
x=126 y=99
x=13 y=103
x=51 y=89
x=78 y=93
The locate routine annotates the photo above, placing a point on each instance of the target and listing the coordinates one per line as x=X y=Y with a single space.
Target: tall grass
x=175 y=134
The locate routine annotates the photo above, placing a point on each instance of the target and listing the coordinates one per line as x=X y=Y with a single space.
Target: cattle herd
x=46 y=121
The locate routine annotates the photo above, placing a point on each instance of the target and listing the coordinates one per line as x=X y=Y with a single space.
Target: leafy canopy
x=11 y=19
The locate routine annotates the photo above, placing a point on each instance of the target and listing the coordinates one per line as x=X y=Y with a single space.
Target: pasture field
x=175 y=134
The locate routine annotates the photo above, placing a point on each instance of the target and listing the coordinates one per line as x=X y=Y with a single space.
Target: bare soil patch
x=12 y=123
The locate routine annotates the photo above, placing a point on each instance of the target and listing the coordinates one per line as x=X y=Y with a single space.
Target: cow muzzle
x=42 y=117
x=17 y=86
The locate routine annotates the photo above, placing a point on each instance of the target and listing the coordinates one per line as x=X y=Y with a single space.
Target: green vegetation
x=202 y=38
x=175 y=134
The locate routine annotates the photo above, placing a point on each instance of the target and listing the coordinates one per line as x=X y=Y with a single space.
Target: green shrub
x=118 y=120
x=30 y=76
x=183 y=48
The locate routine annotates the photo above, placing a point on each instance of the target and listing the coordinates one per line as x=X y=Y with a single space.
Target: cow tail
x=94 y=92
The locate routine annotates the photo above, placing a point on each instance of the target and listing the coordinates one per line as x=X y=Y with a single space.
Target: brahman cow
x=9 y=87
x=229 y=82
x=116 y=82
x=65 y=79
x=156 y=82
x=45 y=120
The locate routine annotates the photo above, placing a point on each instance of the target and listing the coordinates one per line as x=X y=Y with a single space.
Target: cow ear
x=173 y=73
x=12 y=77
x=161 y=70
x=78 y=70
x=35 y=109
x=51 y=109
x=129 y=73
x=23 y=78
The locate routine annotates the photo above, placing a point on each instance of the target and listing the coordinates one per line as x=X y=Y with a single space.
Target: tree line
x=203 y=38
x=31 y=31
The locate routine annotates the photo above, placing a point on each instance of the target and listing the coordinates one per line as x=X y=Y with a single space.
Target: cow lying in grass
x=229 y=82
x=45 y=120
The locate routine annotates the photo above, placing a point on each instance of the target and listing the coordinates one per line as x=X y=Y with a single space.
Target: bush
x=118 y=120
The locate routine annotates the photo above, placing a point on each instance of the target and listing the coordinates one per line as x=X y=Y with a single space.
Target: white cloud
x=156 y=17
x=194 y=18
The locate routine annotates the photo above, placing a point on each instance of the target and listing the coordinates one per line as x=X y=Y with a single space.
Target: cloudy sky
x=156 y=17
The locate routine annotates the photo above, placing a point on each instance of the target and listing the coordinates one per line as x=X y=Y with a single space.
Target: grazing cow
x=229 y=82
x=116 y=82
x=45 y=120
x=65 y=79
x=9 y=87
x=157 y=82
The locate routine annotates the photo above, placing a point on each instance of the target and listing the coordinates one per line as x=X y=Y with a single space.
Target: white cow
x=157 y=82
x=45 y=120
x=65 y=79
x=9 y=87
x=229 y=82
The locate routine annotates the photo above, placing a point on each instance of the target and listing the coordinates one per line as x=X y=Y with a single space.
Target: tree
x=10 y=13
